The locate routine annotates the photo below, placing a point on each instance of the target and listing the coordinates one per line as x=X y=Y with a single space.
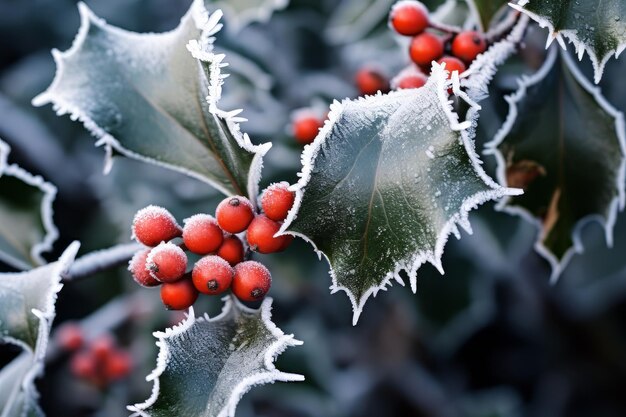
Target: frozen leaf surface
x=26 y=226
x=564 y=145
x=243 y=12
x=145 y=96
x=206 y=365
x=598 y=27
x=386 y=181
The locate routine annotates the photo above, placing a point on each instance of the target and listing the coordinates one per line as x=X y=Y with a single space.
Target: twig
x=101 y=260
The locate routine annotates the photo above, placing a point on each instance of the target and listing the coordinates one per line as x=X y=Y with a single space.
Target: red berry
x=202 y=234
x=234 y=214
x=370 y=81
x=468 y=45
x=305 y=128
x=137 y=267
x=252 y=281
x=83 y=365
x=179 y=295
x=118 y=365
x=261 y=235
x=102 y=348
x=70 y=337
x=231 y=250
x=153 y=225
x=409 y=17
x=277 y=200
x=167 y=262
x=412 y=81
x=453 y=64
x=212 y=275
x=426 y=48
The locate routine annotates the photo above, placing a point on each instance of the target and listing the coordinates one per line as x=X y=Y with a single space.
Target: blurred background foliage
x=491 y=338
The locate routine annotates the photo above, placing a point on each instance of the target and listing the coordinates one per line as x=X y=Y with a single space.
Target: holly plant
x=448 y=106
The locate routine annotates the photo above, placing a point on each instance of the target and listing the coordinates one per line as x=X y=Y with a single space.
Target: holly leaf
x=26 y=226
x=486 y=11
x=206 y=365
x=452 y=13
x=385 y=182
x=27 y=309
x=241 y=13
x=596 y=27
x=353 y=20
x=144 y=96
x=564 y=144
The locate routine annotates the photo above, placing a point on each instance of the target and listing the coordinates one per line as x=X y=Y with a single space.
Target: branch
x=101 y=260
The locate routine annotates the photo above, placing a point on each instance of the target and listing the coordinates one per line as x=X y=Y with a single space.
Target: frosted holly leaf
x=453 y=13
x=564 y=144
x=241 y=13
x=486 y=11
x=26 y=226
x=598 y=27
x=27 y=309
x=206 y=365
x=385 y=182
x=353 y=20
x=145 y=97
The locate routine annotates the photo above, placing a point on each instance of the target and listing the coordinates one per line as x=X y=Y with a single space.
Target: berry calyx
x=426 y=48
x=212 y=275
x=261 y=235
x=231 y=250
x=167 y=262
x=452 y=64
x=70 y=337
x=234 y=214
x=305 y=128
x=369 y=81
x=139 y=271
x=202 y=234
x=179 y=295
x=277 y=200
x=252 y=281
x=468 y=45
x=153 y=225
x=411 y=81
x=409 y=17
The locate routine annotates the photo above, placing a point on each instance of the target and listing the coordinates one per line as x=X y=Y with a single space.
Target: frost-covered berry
x=83 y=365
x=425 y=49
x=118 y=365
x=167 y=262
x=70 y=337
x=202 y=234
x=411 y=81
x=305 y=128
x=179 y=295
x=234 y=214
x=370 y=81
x=252 y=281
x=153 y=225
x=409 y=17
x=453 y=64
x=139 y=271
x=212 y=275
x=231 y=250
x=261 y=235
x=277 y=200
x=468 y=45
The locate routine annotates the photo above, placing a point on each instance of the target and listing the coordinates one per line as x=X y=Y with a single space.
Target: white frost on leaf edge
x=49 y=191
x=439 y=85
x=237 y=21
x=209 y=25
x=271 y=375
x=571 y=35
x=45 y=316
x=618 y=202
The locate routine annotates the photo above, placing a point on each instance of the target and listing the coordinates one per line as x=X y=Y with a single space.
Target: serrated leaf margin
x=284 y=341
x=618 y=202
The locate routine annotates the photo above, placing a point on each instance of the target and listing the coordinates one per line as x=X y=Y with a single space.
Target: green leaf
x=27 y=309
x=144 y=96
x=26 y=226
x=386 y=181
x=241 y=13
x=486 y=11
x=598 y=27
x=206 y=365
x=564 y=144
x=353 y=20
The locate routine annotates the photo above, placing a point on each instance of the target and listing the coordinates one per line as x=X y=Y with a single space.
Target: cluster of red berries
x=220 y=242
x=99 y=362
x=428 y=44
